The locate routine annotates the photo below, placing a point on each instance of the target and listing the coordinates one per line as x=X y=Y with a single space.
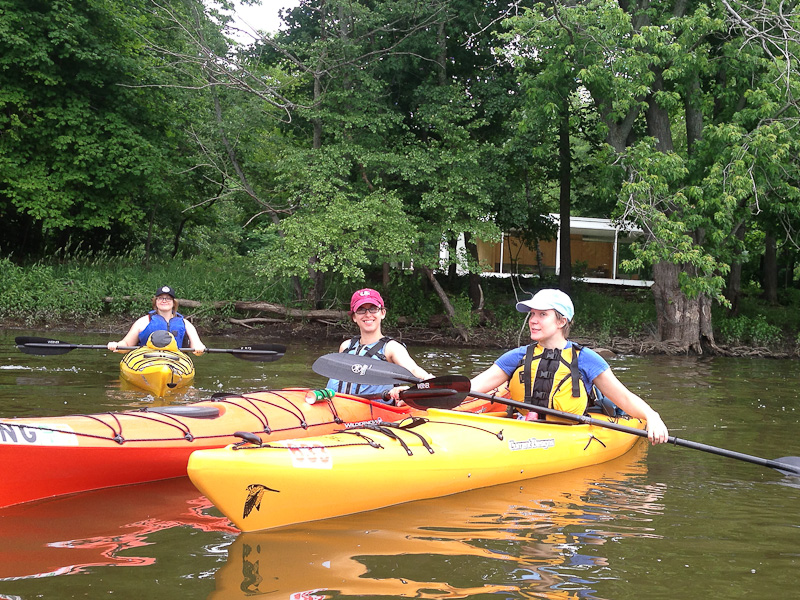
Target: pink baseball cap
x=365 y=296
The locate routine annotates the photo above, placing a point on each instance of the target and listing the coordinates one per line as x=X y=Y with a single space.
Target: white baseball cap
x=547 y=299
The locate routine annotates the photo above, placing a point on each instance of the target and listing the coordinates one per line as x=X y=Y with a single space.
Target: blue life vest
x=374 y=350
x=176 y=326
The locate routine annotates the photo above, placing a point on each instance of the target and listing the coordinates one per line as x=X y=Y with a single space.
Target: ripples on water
x=663 y=522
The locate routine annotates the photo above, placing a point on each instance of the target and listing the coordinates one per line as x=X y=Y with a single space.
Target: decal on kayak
x=309 y=595
x=312 y=455
x=531 y=444
x=46 y=434
x=377 y=421
x=255 y=492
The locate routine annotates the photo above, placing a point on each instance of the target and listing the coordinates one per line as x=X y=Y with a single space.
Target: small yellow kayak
x=364 y=468
x=157 y=369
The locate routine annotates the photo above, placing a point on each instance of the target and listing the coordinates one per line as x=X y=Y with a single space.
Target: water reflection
x=539 y=537
x=111 y=527
x=692 y=524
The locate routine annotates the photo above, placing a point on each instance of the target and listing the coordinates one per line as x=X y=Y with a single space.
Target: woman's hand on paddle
x=112 y=346
x=632 y=404
x=657 y=431
x=199 y=349
x=394 y=394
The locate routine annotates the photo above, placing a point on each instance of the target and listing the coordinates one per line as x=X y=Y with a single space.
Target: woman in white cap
x=163 y=317
x=368 y=311
x=556 y=373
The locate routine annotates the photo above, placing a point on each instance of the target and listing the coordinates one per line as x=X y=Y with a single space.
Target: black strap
x=540 y=387
x=375 y=352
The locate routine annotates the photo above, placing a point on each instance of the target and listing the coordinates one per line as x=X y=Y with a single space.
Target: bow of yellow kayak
x=157 y=370
x=365 y=468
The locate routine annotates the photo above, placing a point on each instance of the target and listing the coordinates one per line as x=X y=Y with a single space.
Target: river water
x=659 y=522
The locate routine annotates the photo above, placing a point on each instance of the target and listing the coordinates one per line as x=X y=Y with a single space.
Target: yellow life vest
x=556 y=381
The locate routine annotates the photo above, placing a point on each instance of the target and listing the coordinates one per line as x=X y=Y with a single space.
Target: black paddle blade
x=359 y=369
x=42 y=346
x=439 y=398
x=440 y=392
x=459 y=383
x=792 y=465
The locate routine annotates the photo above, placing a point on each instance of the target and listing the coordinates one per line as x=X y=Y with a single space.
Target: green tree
x=84 y=150
x=396 y=157
x=697 y=124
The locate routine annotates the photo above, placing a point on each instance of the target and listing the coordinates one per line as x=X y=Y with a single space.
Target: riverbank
x=330 y=334
x=231 y=297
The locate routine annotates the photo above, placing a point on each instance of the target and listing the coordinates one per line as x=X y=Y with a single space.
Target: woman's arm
x=396 y=353
x=195 y=344
x=490 y=379
x=632 y=404
x=132 y=337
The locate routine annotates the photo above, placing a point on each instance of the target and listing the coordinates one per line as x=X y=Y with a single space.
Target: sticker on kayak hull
x=531 y=444
x=255 y=492
x=355 y=424
x=41 y=434
x=310 y=455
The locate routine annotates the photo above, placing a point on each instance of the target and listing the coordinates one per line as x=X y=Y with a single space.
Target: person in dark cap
x=163 y=317
x=554 y=372
x=368 y=310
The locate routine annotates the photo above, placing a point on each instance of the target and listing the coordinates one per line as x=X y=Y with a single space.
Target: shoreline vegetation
x=229 y=297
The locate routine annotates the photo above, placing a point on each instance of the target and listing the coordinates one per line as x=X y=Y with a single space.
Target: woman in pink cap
x=556 y=373
x=368 y=310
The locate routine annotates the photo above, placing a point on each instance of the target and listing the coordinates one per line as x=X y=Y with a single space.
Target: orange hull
x=51 y=456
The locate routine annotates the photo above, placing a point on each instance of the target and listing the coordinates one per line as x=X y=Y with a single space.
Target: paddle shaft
x=127 y=348
x=49 y=346
x=337 y=365
x=764 y=462
x=409 y=395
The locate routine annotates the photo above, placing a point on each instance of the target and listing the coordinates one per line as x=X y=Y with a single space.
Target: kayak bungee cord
x=161 y=416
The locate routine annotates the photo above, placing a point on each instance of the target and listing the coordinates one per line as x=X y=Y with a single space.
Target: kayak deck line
x=157 y=370
x=50 y=456
x=172 y=419
x=137 y=361
x=264 y=486
x=385 y=428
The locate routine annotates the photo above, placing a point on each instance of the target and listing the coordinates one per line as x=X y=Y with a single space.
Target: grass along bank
x=72 y=295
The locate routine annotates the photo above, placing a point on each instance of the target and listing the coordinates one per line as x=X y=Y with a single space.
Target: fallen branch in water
x=268 y=307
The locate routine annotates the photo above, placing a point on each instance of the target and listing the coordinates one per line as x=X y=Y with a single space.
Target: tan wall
x=599 y=256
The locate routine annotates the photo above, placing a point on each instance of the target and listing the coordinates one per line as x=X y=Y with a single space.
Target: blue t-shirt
x=590 y=363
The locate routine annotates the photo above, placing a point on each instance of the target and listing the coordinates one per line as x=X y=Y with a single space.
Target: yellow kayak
x=337 y=554
x=157 y=369
x=364 y=468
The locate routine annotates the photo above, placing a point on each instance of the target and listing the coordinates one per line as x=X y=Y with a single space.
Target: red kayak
x=50 y=456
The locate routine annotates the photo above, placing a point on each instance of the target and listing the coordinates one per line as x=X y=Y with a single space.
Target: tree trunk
x=683 y=322
x=770 y=271
x=452 y=268
x=176 y=242
x=448 y=307
x=475 y=294
x=317 y=278
x=385 y=276
x=564 y=204
x=733 y=289
x=315 y=293
x=149 y=241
